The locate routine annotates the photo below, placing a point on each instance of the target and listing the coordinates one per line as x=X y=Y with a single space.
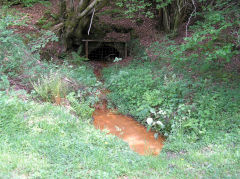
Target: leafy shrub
x=212 y=41
x=76 y=58
x=176 y=103
x=81 y=74
x=58 y=86
x=137 y=50
x=16 y=58
x=114 y=13
x=43 y=40
x=11 y=46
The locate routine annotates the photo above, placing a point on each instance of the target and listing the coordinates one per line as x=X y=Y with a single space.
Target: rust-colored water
x=124 y=127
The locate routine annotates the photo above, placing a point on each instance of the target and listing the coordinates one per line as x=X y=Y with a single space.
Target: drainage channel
x=124 y=127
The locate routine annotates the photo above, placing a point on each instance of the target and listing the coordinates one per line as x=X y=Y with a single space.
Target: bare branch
x=87 y=9
x=80 y=3
x=72 y=5
x=91 y=21
x=189 y=19
x=57 y=27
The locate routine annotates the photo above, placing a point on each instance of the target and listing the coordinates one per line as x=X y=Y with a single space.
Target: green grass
x=46 y=141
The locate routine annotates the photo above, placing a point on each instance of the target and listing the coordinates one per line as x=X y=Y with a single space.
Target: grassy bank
x=46 y=141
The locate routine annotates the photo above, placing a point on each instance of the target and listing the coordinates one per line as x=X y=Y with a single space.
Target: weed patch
x=175 y=102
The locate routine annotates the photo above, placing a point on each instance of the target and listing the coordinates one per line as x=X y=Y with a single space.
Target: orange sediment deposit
x=129 y=130
x=126 y=128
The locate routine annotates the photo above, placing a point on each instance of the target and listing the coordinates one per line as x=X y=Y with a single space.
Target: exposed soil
x=124 y=127
x=34 y=13
x=145 y=30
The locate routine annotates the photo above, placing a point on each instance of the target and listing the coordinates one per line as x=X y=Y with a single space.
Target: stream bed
x=135 y=134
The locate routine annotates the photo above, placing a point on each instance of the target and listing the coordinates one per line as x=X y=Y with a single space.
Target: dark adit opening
x=104 y=53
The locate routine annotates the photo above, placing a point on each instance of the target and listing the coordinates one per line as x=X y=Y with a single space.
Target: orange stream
x=124 y=127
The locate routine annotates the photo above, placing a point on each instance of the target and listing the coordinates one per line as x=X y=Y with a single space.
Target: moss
x=69 y=24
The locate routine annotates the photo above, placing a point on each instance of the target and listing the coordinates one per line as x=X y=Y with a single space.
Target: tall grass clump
x=51 y=87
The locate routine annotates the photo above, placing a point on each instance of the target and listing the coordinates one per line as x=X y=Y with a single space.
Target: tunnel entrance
x=104 y=53
x=102 y=50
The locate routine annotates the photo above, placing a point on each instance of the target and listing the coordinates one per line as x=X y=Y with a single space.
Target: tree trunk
x=172 y=15
x=76 y=16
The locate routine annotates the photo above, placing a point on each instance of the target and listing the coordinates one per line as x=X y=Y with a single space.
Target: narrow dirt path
x=124 y=127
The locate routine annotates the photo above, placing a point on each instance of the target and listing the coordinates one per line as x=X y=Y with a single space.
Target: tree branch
x=91 y=21
x=189 y=19
x=83 y=13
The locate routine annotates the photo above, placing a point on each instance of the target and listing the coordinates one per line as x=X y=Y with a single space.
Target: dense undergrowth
x=187 y=89
x=187 y=94
x=48 y=81
x=183 y=104
x=198 y=112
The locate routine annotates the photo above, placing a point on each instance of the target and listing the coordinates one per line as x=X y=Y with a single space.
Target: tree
x=172 y=14
x=169 y=13
x=76 y=15
x=75 y=18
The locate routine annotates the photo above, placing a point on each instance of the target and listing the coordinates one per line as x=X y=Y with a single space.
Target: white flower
x=162 y=112
x=166 y=134
x=160 y=123
x=149 y=121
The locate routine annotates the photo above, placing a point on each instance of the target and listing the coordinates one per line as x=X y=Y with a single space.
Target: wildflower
x=160 y=124
x=166 y=134
x=162 y=112
x=149 y=121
